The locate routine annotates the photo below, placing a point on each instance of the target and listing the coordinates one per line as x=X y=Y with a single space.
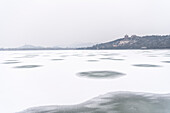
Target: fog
x=68 y=22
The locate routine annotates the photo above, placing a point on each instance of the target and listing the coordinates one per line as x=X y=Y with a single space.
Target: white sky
x=66 y=22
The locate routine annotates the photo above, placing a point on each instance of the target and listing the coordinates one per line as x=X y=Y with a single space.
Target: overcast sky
x=67 y=22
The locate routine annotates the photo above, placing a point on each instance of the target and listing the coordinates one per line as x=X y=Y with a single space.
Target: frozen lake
x=68 y=77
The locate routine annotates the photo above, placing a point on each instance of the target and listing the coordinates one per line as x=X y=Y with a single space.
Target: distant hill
x=136 y=42
x=37 y=47
x=30 y=47
x=132 y=42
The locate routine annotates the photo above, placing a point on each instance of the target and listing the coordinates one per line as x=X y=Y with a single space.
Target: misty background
x=68 y=23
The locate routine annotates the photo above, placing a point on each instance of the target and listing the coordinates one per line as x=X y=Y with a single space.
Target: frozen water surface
x=92 y=60
x=120 y=102
x=100 y=74
x=57 y=59
x=28 y=66
x=166 y=61
x=111 y=59
x=39 y=81
x=11 y=62
x=146 y=65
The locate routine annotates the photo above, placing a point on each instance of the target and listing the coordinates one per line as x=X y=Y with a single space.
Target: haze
x=68 y=22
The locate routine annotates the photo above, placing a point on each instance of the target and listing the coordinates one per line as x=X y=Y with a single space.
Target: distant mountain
x=32 y=47
x=132 y=42
x=136 y=42
x=29 y=47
